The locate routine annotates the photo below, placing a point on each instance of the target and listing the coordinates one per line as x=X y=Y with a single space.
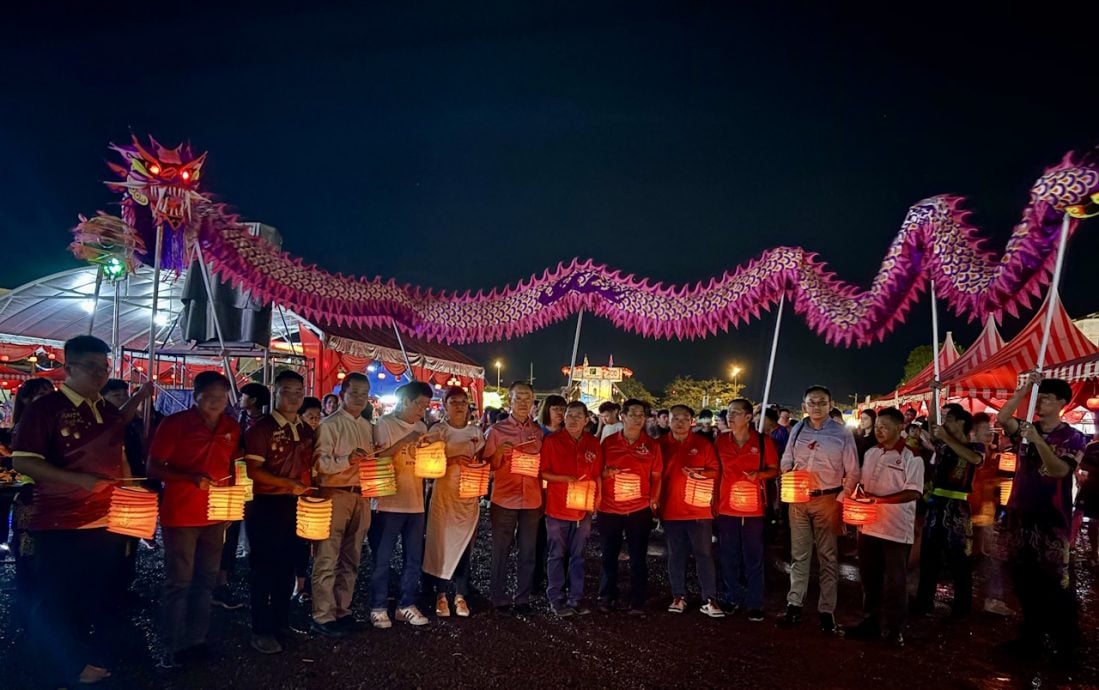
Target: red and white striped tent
x=921 y=382
x=987 y=344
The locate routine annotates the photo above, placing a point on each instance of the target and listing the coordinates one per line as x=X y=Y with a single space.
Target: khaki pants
x=814 y=524
x=336 y=561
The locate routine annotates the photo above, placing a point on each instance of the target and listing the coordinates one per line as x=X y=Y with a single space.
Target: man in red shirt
x=569 y=456
x=746 y=455
x=632 y=463
x=279 y=451
x=688 y=520
x=190 y=452
x=516 y=499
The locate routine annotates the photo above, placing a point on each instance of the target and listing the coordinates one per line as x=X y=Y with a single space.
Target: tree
x=918 y=358
x=632 y=388
x=702 y=394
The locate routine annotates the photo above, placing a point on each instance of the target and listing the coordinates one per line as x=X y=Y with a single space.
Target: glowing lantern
x=1007 y=461
x=744 y=497
x=987 y=515
x=473 y=481
x=1092 y=404
x=314 y=518
x=627 y=487
x=1005 y=492
x=698 y=492
x=226 y=503
x=860 y=513
x=581 y=496
x=794 y=487
x=431 y=460
x=242 y=480
x=133 y=512
x=378 y=477
x=526 y=464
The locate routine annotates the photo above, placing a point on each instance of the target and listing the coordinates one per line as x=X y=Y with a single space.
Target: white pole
x=575 y=347
x=771 y=362
x=404 y=353
x=1054 y=297
x=935 y=352
x=151 y=370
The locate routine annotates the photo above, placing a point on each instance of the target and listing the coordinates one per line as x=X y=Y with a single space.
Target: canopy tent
x=1081 y=373
x=948 y=354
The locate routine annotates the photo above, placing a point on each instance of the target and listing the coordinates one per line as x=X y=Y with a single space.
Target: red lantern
x=627 y=487
x=859 y=513
x=526 y=464
x=1007 y=461
x=580 y=495
x=473 y=481
x=794 y=487
x=698 y=492
x=744 y=497
x=1093 y=404
x=377 y=477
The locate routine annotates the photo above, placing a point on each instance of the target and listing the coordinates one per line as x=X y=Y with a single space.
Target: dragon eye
x=154 y=169
x=186 y=175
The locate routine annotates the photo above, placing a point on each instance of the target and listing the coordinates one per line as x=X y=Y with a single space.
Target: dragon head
x=164 y=180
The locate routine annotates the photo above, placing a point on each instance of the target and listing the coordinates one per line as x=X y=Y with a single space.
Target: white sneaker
x=998 y=607
x=711 y=609
x=678 y=605
x=379 y=618
x=411 y=615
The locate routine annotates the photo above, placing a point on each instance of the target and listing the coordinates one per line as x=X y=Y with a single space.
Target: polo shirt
x=1039 y=498
x=696 y=452
x=887 y=471
x=338 y=435
x=77 y=434
x=183 y=442
x=285 y=448
x=735 y=461
x=514 y=491
x=828 y=454
x=561 y=454
x=642 y=458
x=410 y=488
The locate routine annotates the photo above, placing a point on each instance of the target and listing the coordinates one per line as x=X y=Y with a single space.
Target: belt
x=349 y=489
x=826 y=492
x=947 y=493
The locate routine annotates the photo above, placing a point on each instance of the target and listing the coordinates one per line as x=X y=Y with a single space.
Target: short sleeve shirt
x=184 y=442
x=561 y=454
x=735 y=461
x=888 y=471
x=514 y=491
x=1041 y=498
x=696 y=452
x=642 y=458
x=410 y=488
x=75 y=434
x=285 y=448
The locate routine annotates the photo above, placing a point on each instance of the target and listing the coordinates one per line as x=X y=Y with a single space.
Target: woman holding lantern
x=455 y=504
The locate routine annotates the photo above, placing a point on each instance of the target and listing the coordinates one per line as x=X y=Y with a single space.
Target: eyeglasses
x=818 y=403
x=92 y=368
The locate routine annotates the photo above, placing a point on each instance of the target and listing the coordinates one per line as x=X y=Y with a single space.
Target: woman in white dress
x=452 y=521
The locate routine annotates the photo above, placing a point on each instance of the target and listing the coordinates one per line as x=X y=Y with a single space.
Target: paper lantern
x=627 y=487
x=1005 y=492
x=378 y=477
x=794 y=487
x=859 y=513
x=1007 y=461
x=526 y=464
x=581 y=496
x=133 y=512
x=431 y=460
x=1092 y=404
x=226 y=503
x=987 y=516
x=241 y=479
x=698 y=492
x=473 y=481
x=744 y=497
x=314 y=518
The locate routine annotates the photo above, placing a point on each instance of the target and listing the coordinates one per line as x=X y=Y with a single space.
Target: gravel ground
x=660 y=650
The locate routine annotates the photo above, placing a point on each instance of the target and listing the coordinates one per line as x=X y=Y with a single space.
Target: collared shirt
x=410 y=488
x=77 y=434
x=1037 y=496
x=184 y=442
x=562 y=454
x=827 y=453
x=736 y=460
x=514 y=491
x=285 y=448
x=694 y=452
x=338 y=435
x=641 y=458
x=888 y=471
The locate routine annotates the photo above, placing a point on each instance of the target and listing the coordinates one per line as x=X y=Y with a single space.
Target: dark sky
x=464 y=148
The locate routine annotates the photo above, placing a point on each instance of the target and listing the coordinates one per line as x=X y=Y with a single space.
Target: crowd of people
x=710 y=483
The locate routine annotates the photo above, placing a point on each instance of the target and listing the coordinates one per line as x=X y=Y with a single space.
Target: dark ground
x=659 y=650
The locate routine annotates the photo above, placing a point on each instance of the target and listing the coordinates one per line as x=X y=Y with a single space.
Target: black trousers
x=75 y=569
x=945 y=539
x=883 y=567
x=634 y=528
x=513 y=526
x=1039 y=564
x=271 y=523
x=232 y=541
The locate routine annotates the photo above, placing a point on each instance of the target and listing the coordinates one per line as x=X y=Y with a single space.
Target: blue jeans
x=565 y=539
x=696 y=536
x=740 y=545
x=384 y=531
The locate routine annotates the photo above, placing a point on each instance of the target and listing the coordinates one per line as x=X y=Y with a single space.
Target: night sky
x=464 y=149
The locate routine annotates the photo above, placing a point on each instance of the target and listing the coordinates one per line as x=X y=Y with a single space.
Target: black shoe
x=606 y=606
x=523 y=610
x=224 y=598
x=828 y=624
x=792 y=617
x=503 y=610
x=333 y=629
x=755 y=615
x=728 y=608
x=289 y=632
x=580 y=609
x=351 y=624
x=866 y=630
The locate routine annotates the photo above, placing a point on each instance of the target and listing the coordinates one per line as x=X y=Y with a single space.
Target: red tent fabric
x=948 y=355
x=988 y=343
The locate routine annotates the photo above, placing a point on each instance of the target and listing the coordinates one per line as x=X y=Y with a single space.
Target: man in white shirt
x=344 y=439
x=892 y=477
x=609 y=423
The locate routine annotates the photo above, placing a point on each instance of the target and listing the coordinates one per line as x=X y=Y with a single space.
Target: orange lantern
x=526 y=464
x=1092 y=404
x=133 y=512
x=744 y=497
x=1005 y=492
x=226 y=503
x=987 y=516
x=581 y=496
x=794 y=487
x=1007 y=461
x=314 y=518
x=698 y=492
x=241 y=479
x=378 y=477
x=859 y=512
x=627 y=487
x=473 y=481
x=431 y=460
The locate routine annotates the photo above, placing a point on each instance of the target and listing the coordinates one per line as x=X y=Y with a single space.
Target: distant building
x=1089 y=325
x=595 y=384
